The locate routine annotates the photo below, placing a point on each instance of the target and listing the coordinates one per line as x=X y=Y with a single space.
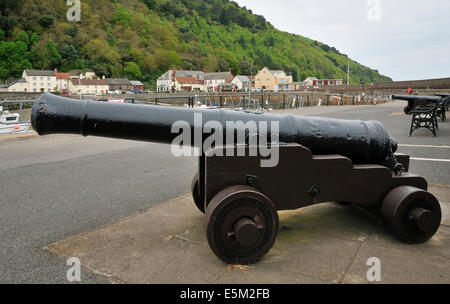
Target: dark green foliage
x=7 y=23
x=151 y=4
x=101 y=71
x=172 y=8
x=46 y=21
x=14 y=58
x=72 y=31
x=55 y=57
x=69 y=52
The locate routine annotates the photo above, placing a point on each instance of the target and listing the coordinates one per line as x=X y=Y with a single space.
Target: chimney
x=55 y=70
x=103 y=77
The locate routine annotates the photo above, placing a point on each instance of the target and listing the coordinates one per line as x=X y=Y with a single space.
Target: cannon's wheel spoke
x=241 y=225
x=412 y=214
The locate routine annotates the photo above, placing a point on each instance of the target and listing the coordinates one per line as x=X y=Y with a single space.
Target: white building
x=165 y=84
x=89 y=86
x=40 y=81
x=63 y=80
x=214 y=81
x=313 y=81
x=19 y=85
x=310 y=81
x=188 y=84
x=242 y=83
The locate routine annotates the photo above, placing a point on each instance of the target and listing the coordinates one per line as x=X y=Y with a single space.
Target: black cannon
x=320 y=160
x=417 y=101
x=442 y=95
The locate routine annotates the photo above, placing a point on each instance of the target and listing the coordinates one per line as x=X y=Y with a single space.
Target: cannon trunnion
x=323 y=160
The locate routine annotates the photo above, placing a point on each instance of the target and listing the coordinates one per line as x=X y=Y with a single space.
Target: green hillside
x=141 y=39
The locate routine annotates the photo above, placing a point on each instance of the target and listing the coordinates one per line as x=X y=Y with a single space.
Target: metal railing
x=20 y=103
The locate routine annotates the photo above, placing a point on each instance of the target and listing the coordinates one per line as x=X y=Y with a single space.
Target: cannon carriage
x=320 y=160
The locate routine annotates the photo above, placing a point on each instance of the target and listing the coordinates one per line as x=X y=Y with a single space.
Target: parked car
x=129 y=92
x=137 y=91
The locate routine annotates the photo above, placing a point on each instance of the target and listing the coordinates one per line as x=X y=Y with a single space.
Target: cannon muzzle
x=362 y=142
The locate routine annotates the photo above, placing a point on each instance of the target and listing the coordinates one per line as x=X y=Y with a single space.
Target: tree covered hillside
x=141 y=39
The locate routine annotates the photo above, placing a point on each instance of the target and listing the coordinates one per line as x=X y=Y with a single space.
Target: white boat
x=7 y=118
x=9 y=123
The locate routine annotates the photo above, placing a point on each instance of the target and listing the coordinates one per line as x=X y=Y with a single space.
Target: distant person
x=410 y=91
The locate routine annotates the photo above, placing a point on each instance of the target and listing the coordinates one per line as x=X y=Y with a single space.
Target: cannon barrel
x=363 y=142
x=417 y=98
x=442 y=95
x=415 y=101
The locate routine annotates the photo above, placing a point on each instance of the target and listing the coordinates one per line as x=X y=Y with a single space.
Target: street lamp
x=251 y=76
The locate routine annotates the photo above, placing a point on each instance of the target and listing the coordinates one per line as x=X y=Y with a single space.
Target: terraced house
x=215 y=82
x=89 y=86
x=272 y=80
x=18 y=85
x=188 y=84
x=121 y=84
x=166 y=84
x=40 y=81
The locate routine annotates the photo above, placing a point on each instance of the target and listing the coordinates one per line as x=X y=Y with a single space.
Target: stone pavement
x=327 y=243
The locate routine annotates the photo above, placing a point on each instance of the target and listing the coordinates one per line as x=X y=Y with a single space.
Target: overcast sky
x=410 y=41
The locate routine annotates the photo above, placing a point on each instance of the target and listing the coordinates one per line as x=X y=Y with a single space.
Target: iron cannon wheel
x=412 y=214
x=199 y=202
x=241 y=225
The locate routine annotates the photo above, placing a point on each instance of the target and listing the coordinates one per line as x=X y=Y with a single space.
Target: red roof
x=188 y=80
x=62 y=75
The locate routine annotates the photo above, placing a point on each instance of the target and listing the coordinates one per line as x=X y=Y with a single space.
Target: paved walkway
x=327 y=243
